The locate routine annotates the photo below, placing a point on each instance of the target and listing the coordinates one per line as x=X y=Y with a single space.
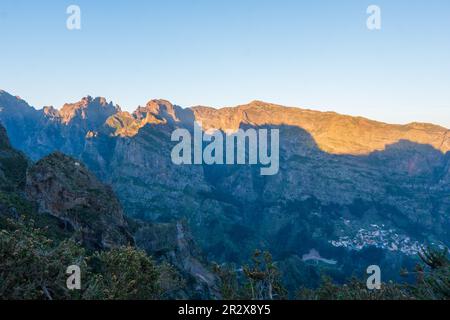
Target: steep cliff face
x=13 y=165
x=345 y=184
x=64 y=188
x=89 y=113
x=173 y=243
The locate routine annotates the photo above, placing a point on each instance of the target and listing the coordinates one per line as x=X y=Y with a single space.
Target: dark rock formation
x=64 y=188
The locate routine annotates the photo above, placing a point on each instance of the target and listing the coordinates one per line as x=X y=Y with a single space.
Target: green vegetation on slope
x=32 y=266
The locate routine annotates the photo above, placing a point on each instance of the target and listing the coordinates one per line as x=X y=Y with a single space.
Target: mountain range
x=356 y=192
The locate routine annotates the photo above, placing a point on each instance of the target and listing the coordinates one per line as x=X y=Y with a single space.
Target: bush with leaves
x=353 y=290
x=260 y=279
x=33 y=266
x=433 y=278
x=230 y=287
x=263 y=278
x=124 y=274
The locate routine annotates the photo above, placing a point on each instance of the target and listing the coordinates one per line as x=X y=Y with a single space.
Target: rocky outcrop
x=90 y=113
x=63 y=187
x=173 y=243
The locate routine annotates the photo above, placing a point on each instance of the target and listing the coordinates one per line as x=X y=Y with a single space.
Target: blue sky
x=314 y=54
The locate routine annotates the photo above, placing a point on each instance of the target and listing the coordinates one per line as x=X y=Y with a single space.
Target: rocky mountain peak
x=159 y=105
x=50 y=112
x=157 y=111
x=86 y=100
x=13 y=104
x=101 y=101
x=92 y=110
